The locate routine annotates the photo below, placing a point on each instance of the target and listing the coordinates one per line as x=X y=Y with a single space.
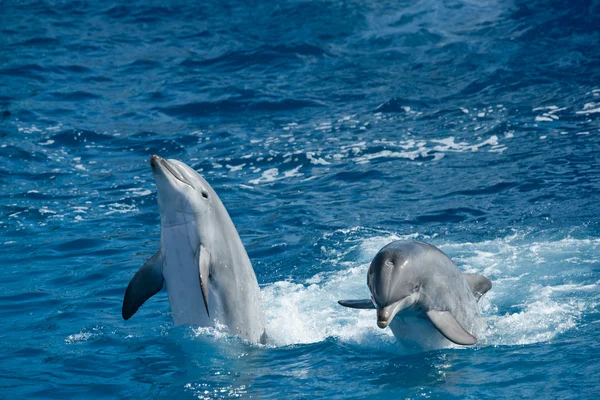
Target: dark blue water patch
x=28 y=302
x=78 y=137
x=78 y=245
x=196 y=34
x=484 y=191
x=47 y=177
x=118 y=11
x=39 y=42
x=9 y=31
x=451 y=215
x=148 y=143
x=452 y=114
x=156 y=97
x=76 y=96
x=578 y=18
x=97 y=79
x=357 y=176
x=29 y=71
x=4 y=115
x=59 y=112
x=72 y=69
x=84 y=47
x=11 y=151
x=153 y=14
x=21 y=297
x=5 y=100
x=423 y=37
x=266 y=57
x=141 y=65
x=407 y=18
x=208 y=109
x=23 y=115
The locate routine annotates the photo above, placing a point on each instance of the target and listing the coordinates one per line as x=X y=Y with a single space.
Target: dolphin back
x=478 y=284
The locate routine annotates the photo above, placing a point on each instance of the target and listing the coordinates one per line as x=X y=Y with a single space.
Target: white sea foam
x=589 y=108
x=205 y=391
x=121 y=208
x=78 y=337
x=235 y=168
x=547 y=108
x=411 y=155
x=272 y=175
x=269 y=175
x=138 y=192
x=316 y=160
x=84 y=335
x=30 y=129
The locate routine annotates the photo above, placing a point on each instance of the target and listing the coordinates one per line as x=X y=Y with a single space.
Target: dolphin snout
x=384 y=317
x=154 y=160
x=386 y=314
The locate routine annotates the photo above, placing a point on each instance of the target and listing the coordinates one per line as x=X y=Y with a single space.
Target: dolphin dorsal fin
x=448 y=326
x=145 y=283
x=204 y=273
x=478 y=284
x=365 y=304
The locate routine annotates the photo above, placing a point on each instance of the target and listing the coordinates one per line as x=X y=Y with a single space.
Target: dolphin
x=422 y=296
x=209 y=277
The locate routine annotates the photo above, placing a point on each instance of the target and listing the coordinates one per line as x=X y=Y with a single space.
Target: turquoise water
x=328 y=130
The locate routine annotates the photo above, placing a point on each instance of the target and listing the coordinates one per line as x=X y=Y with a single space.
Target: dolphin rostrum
x=201 y=259
x=422 y=296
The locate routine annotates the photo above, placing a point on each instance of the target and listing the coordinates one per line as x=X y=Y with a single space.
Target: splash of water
x=529 y=302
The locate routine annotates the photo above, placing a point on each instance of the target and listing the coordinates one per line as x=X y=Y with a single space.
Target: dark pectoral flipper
x=145 y=283
x=478 y=284
x=448 y=326
x=365 y=304
x=203 y=257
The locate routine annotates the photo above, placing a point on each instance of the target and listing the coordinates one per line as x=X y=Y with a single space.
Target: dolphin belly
x=415 y=332
x=180 y=271
x=186 y=301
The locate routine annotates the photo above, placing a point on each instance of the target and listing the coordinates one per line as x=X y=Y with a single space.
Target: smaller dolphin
x=422 y=296
x=201 y=259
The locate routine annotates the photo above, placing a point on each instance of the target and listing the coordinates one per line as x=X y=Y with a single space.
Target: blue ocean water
x=328 y=128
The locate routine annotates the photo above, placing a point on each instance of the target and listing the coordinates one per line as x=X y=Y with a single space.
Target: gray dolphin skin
x=201 y=259
x=422 y=296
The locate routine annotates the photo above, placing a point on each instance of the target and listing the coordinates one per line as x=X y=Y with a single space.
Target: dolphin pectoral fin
x=478 y=284
x=448 y=326
x=365 y=304
x=204 y=272
x=145 y=283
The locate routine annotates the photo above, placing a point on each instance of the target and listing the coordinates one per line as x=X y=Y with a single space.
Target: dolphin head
x=182 y=193
x=393 y=284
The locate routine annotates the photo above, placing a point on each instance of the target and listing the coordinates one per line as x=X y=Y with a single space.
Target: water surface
x=328 y=129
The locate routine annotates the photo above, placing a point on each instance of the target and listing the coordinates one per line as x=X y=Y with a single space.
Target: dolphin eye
x=205 y=194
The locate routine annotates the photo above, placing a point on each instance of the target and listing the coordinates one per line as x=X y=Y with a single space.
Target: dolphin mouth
x=383 y=323
x=386 y=314
x=161 y=164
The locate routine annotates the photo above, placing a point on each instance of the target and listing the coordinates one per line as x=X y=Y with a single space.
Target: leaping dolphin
x=423 y=297
x=201 y=258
